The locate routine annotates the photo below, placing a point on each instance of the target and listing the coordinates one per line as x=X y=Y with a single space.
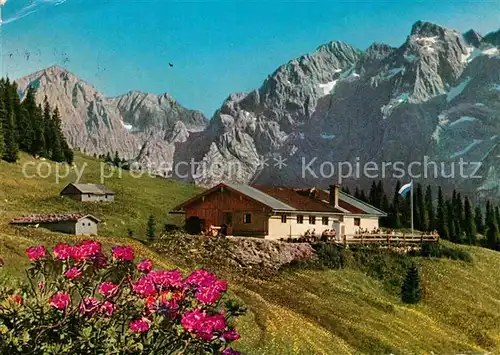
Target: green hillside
x=299 y=311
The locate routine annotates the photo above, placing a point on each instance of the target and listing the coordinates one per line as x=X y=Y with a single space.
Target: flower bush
x=78 y=300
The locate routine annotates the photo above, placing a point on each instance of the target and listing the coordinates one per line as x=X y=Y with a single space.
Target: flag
x=405 y=188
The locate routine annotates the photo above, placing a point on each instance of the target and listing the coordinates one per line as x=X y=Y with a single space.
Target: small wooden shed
x=88 y=192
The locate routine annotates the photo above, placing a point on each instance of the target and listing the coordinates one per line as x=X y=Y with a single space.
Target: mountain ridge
x=335 y=103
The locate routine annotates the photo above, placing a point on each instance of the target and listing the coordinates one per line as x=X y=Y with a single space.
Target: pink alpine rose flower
x=145 y=266
x=123 y=253
x=63 y=251
x=73 y=273
x=107 y=308
x=108 y=289
x=16 y=299
x=144 y=287
x=36 y=253
x=61 y=300
x=140 y=325
x=230 y=335
x=89 y=306
x=165 y=279
x=230 y=351
x=86 y=250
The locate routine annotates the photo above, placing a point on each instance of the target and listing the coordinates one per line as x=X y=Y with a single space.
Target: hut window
x=88 y=195
x=357 y=222
x=89 y=224
x=312 y=220
x=300 y=219
x=324 y=220
x=283 y=218
x=247 y=218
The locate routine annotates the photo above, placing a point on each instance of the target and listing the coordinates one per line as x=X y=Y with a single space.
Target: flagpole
x=411 y=206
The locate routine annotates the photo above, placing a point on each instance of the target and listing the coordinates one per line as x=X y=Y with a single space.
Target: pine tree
x=429 y=206
x=2 y=145
x=38 y=147
x=362 y=196
x=450 y=221
x=458 y=218
x=385 y=206
x=478 y=220
x=10 y=149
x=117 y=160
x=373 y=194
x=379 y=194
x=421 y=217
x=469 y=224
x=357 y=194
x=151 y=229
x=57 y=145
x=48 y=129
x=108 y=158
x=492 y=236
x=410 y=290
x=396 y=217
x=441 y=223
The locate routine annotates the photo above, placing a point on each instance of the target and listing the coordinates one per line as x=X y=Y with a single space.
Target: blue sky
x=217 y=47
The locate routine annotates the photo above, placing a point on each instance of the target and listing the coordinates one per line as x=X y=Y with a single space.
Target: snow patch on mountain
x=466 y=149
x=463 y=119
x=328 y=87
x=457 y=90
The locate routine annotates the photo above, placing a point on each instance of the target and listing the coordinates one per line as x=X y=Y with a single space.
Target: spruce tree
x=151 y=229
x=116 y=159
x=478 y=220
x=450 y=221
x=421 y=217
x=429 y=207
x=357 y=194
x=2 y=146
x=372 y=197
x=57 y=145
x=469 y=224
x=441 y=222
x=492 y=236
x=10 y=149
x=108 y=158
x=48 y=128
x=458 y=217
x=410 y=290
x=38 y=146
x=396 y=213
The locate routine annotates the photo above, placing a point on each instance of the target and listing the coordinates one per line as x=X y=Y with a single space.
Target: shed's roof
x=52 y=218
x=95 y=189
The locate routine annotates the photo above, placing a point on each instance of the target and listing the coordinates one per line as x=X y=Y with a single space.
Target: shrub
x=81 y=301
x=441 y=251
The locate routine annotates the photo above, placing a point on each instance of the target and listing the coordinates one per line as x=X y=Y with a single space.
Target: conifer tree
x=441 y=223
x=108 y=158
x=478 y=220
x=458 y=217
x=492 y=241
x=151 y=229
x=2 y=146
x=421 y=217
x=379 y=194
x=372 y=197
x=469 y=224
x=410 y=290
x=116 y=159
x=429 y=206
x=38 y=146
x=357 y=194
x=362 y=196
x=396 y=213
x=58 y=137
x=10 y=149
x=450 y=221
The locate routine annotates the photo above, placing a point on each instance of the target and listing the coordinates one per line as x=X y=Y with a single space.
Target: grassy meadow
x=298 y=311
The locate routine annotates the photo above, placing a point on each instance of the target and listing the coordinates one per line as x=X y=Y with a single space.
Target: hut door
x=227 y=221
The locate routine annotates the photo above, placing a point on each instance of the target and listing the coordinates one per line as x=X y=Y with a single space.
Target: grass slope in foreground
x=297 y=312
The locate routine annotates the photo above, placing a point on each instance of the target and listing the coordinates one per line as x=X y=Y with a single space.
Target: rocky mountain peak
x=427 y=29
x=493 y=38
x=473 y=38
